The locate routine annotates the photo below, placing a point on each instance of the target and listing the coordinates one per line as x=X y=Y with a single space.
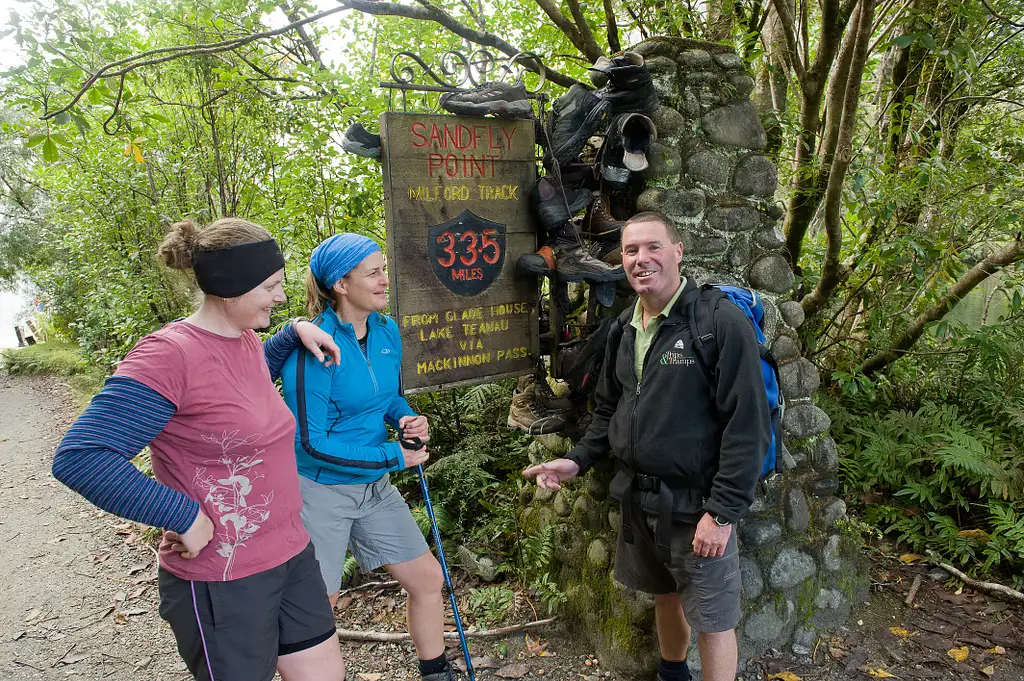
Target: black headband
x=231 y=272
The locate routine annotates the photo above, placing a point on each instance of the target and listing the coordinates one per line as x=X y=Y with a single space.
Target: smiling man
x=690 y=450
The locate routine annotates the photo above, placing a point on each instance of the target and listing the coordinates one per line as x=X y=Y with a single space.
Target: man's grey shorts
x=372 y=520
x=709 y=588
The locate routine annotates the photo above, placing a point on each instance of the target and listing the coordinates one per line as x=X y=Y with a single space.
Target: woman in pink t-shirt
x=239 y=581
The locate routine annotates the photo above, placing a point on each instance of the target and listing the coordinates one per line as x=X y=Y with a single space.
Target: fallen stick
x=395 y=637
x=913 y=590
x=1004 y=592
x=369 y=585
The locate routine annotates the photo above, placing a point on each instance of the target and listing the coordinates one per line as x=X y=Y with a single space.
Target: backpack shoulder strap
x=700 y=315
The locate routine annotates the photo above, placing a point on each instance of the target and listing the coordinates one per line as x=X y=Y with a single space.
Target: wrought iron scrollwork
x=457 y=71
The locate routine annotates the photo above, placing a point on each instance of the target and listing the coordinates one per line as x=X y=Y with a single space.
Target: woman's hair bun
x=179 y=246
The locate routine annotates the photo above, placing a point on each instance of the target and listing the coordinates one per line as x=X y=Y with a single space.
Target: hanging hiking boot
x=574 y=263
x=599 y=72
x=528 y=413
x=550 y=201
x=629 y=87
x=543 y=392
x=359 y=141
x=598 y=223
x=541 y=263
x=579 y=113
x=498 y=99
x=635 y=133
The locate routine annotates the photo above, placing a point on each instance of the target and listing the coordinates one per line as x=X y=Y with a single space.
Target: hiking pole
x=417 y=444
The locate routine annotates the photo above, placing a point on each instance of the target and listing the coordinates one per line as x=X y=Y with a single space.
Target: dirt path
x=77 y=585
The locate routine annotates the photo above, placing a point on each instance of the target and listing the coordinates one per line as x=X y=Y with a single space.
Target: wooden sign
x=456 y=193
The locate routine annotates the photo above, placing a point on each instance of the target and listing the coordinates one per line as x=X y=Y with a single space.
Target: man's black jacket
x=669 y=425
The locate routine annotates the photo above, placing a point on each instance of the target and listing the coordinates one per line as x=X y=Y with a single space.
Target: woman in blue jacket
x=342 y=446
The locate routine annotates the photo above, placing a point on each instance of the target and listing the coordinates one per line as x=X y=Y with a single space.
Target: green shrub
x=53 y=357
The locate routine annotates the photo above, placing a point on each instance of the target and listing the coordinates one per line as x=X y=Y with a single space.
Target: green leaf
x=904 y=40
x=50 y=153
x=35 y=140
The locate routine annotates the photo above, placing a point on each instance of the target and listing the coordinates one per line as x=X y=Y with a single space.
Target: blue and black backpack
x=700 y=312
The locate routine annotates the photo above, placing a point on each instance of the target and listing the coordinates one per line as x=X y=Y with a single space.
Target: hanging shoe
x=579 y=113
x=498 y=99
x=598 y=223
x=527 y=413
x=359 y=141
x=574 y=263
x=599 y=72
x=550 y=201
x=636 y=133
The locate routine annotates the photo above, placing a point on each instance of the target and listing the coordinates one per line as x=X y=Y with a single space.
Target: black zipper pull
x=638 y=390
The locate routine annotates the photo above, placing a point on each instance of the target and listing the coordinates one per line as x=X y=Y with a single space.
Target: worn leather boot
x=598 y=223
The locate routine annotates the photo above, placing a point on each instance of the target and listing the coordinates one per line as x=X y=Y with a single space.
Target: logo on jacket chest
x=677 y=355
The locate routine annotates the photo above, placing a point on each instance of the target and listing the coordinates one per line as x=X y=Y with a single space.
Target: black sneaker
x=446 y=675
x=639 y=99
x=503 y=101
x=554 y=205
x=579 y=113
x=359 y=141
x=601 y=72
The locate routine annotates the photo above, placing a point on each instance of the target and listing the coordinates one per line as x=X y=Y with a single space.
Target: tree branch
x=428 y=12
x=591 y=50
x=562 y=22
x=129 y=64
x=612 y=27
x=393 y=636
x=974 y=276
x=997 y=15
x=789 y=32
x=830 y=271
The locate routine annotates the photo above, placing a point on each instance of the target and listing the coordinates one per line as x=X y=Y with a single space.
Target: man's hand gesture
x=710 y=539
x=552 y=474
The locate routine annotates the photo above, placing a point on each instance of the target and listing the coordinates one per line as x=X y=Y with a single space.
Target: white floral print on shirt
x=238 y=517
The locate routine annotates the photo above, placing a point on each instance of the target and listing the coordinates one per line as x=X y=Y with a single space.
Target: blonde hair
x=317 y=299
x=185 y=239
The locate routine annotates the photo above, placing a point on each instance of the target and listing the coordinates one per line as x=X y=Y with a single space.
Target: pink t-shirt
x=229 y=445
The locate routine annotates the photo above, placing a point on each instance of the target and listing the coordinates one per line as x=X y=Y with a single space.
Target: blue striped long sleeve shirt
x=94 y=458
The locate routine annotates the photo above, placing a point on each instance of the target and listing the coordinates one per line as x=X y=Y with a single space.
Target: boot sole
x=591 y=276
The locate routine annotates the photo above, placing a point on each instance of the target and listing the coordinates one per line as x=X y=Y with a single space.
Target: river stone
x=526 y=494
x=743 y=83
x=663 y=161
x=805 y=420
x=733 y=218
x=597 y=554
x=785 y=348
x=729 y=61
x=703 y=245
x=803 y=641
x=789 y=568
x=614 y=521
x=823 y=487
x=832 y=512
x=750 y=575
x=755 y=176
x=830 y=554
x=792 y=312
x=798 y=513
x=649 y=49
x=596 y=487
x=772 y=273
x=825 y=458
x=668 y=121
x=695 y=59
x=544 y=495
x=739 y=252
x=658 y=65
x=832 y=609
x=799 y=379
x=689 y=104
x=771 y=237
x=683 y=202
x=760 y=533
x=735 y=125
x=708 y=78
x=709 y=169
x=652 y=198
x=556 y=445
x=561 y=504
x=765 y=625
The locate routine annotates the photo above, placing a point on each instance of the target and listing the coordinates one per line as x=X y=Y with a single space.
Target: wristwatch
x=719 y=520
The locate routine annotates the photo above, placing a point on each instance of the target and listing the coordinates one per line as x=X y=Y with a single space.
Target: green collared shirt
x=644 y=337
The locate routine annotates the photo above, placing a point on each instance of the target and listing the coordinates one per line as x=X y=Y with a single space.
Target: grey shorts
x=709 y=588
x=372 y=520
x=236 y=630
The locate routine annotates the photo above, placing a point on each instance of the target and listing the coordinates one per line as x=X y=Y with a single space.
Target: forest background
x=895 y=124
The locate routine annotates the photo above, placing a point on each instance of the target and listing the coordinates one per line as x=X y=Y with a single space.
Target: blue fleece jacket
x=340 y=411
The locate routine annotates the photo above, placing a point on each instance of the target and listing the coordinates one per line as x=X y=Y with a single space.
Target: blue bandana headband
x=337 y=256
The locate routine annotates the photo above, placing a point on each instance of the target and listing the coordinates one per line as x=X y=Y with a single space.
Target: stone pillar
x=798 y=568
